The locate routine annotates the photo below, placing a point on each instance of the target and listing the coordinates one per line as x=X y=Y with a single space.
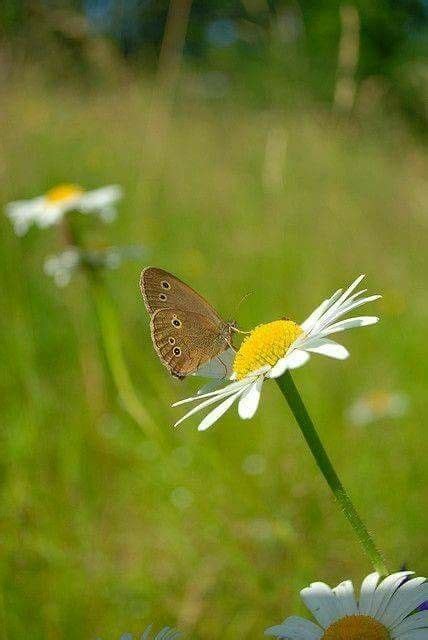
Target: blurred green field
x=102 y=531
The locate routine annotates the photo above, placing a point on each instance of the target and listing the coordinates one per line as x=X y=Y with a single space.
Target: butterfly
x=186 y=330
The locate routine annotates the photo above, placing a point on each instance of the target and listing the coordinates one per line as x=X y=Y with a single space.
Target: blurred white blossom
x=50 y=208
x=377 y=405
x=62 y=266
x=254 y=464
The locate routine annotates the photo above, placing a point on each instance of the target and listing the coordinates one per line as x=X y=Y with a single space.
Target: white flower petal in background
x=387 y=610
x=377 y=405
x=97 y=199
x=62 y=266
x=272 y=349
x=49 y=209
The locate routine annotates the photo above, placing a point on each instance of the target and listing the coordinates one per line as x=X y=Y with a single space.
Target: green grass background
x=102 y=532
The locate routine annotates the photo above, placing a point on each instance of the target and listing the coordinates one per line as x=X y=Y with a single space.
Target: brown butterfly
x=186 y=331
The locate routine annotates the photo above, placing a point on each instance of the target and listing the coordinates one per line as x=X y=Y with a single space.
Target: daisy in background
x=49 y=209
x=62 y=266
x=272 y=349
x=377 y=405
x=387 y=609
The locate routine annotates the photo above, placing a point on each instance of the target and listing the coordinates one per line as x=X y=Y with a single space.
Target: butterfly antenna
x=247 y=295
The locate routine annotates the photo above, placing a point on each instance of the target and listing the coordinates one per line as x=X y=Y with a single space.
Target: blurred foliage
x=286 y=48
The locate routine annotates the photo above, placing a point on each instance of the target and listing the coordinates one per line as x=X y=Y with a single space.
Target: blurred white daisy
x=377 y=405
x=385 y=610
x=273 y=348
x=62 y=266
x=49 y=209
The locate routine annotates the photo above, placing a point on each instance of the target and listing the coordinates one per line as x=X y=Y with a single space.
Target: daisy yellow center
x=265 y=345
x=356 y=628
x=63 y=192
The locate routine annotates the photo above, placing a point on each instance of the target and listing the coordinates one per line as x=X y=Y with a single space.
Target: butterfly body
x=186 y=330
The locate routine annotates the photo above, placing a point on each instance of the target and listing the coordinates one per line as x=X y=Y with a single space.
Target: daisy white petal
x=350 y=323
x=296 y=628
x=407 y=598
x=417 y=634
x=329 y=348
x=250 y=398
x=334 y=308
x=345 y=597
x=350 y=305
x=229 y=388
x=368 y=589
x=216 y=397
x=321 y=602
x=167 y=633
x=340 y=307
x=297 y=358
x=416 y=621
x=385 y=591
x=311 y=320
x=345 y=295
x=346 y=308
x=97 y=199
x=216 y=413
x=278 y=369
x=293 y=360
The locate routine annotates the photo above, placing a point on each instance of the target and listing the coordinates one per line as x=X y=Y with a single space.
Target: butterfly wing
x=186 y=340
x=161 y=290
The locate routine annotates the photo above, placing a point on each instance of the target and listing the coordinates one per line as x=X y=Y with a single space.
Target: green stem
x=110 y=334
x=113 y=350
x=291 y=394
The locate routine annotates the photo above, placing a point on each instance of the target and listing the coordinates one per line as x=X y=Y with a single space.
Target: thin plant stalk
x=307 y=427
x=110 y=334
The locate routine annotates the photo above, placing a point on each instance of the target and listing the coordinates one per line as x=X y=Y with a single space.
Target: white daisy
x=272 y=348
x=386 y=610
x=62 y=265
x=50 y=208
x=167 y=633
x=377 y=405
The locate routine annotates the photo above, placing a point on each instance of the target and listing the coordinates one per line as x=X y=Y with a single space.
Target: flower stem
x=113 y=350
x=291 y=394
x=110 y=335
